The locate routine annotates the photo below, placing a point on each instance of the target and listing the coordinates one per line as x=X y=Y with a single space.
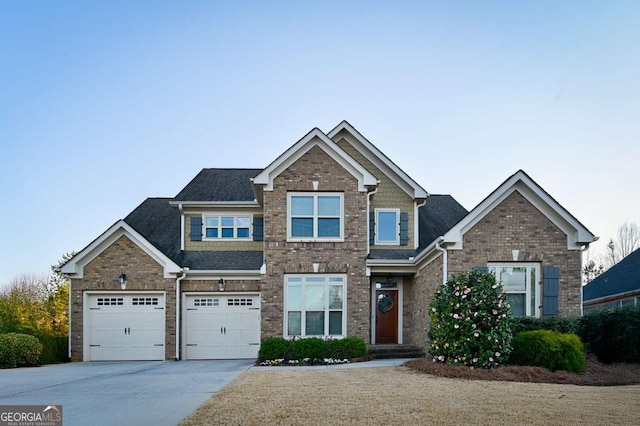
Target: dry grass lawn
x=401 y=396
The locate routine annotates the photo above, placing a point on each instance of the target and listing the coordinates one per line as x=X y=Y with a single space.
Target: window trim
x=527 y=292
x=220 y=215
x=315 y=237
x=326 y=309
x=377 y=241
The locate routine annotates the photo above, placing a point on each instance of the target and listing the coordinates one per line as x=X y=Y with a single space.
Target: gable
x=344 y=133
x=315 y=138
x=75 y=266
x=577 y=235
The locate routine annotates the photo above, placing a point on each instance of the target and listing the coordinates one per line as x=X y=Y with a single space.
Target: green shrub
x=612 y=336
x=347 y=348
x=310 y=347
x=554 y=323
x=275 y=348
x=470 y=321
x=54 y=349
x=19 y=350
x=549 y=349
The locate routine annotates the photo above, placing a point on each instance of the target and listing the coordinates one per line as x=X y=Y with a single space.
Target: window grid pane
x=315 y=216
x=314 y=305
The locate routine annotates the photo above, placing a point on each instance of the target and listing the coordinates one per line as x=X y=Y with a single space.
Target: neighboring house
x=331 y=239
x=617 y=287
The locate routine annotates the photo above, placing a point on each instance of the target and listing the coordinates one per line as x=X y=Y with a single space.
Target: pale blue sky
x=103 y=104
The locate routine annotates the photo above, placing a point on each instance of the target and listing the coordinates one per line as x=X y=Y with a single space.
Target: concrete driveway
x=120 y=393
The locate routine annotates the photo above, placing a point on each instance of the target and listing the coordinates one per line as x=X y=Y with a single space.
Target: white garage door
x=125 y=326
x=222 y=327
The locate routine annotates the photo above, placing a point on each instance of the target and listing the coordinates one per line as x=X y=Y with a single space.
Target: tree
x=591 y=270
x=37 y=303
x=627 y=240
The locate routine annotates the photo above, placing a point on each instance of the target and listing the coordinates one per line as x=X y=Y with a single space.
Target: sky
x=103 y=104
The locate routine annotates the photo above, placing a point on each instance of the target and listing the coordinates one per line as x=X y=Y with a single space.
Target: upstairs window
x=387 y=224
x=227 y=227
x=314 y=217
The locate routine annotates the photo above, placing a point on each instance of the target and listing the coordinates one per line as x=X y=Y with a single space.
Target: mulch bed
x=594 y=373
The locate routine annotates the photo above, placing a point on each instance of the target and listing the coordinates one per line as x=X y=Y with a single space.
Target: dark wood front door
x=386 y=316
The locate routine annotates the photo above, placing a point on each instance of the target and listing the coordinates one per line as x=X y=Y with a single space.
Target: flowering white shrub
x=470 y=321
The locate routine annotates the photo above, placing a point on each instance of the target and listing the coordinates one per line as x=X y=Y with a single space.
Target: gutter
x=180 y=278
x=445 y=259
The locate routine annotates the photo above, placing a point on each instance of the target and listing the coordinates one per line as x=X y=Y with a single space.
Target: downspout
x=69 y=323
x=181 y=226
x=180 y=278
x=445 y=260
x=369 y=214
x=416 y=224
x=582 y=250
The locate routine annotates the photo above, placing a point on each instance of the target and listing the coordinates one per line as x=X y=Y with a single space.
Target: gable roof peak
x=577 y=234
x=315 y=137
x=378 y=159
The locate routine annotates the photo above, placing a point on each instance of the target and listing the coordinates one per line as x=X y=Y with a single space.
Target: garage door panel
x=126 y=327
x=222 y=327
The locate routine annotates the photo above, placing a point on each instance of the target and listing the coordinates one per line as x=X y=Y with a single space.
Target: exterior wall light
x=123 y=281
x=221 y=284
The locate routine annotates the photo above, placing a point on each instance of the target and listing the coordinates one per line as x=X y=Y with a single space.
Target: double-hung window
x=387 y=226
x=227 y=227
x=315 y=305
x=521 y=286
x=315 y=217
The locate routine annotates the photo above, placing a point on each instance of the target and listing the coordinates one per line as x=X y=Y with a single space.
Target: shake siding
x=220 y=244
x=143 y=274
x=389 y=195
x=516 y=224
x=346 y=257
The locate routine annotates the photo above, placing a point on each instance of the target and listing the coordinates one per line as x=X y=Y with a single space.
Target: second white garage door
x=221 y=326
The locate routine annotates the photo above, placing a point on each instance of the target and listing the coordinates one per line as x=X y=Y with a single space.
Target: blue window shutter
x=258 y=228
x=372 y=228
x=196 y=228
x=404 y=228
x=480 y=268
x=550 y=290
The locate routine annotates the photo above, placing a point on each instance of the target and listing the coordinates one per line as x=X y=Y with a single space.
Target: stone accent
x=515 y=224
x=283 y=257
x=101 y=274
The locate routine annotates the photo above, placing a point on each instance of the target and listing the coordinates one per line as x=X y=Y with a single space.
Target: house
x=617 y=287
x=331 y=239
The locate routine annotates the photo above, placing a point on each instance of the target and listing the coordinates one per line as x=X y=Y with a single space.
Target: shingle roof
x=223 y=260
x=437 y=216
x=158 y=223
x=220 y=185
x=620 y=278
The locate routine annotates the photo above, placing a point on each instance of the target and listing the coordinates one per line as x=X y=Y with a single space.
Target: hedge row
x=19 y=350
x=612 y=336
x=312 y=348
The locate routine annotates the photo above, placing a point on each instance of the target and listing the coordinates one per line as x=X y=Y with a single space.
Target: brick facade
x=515 y=224
x=101 y=274
x=283 y=257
